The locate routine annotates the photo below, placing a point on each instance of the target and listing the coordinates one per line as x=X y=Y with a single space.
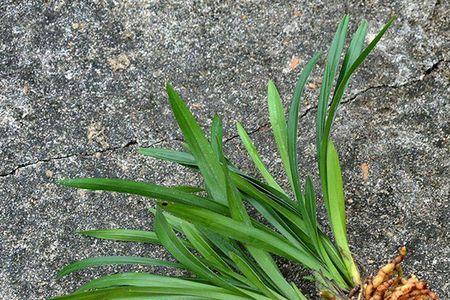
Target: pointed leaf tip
x=169 y=86
x=65 y=181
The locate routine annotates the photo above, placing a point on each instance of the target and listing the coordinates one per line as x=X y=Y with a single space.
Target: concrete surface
x=81 y=87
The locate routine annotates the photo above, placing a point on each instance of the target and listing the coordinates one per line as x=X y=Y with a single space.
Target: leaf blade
x=155 y=284
x=331 y=66
x=325 y=148
x=179 y=157
x=279 y=127
x=123 y=235
x=246 y=234
x=177 y=248
x=292 y=126
x=199 y=146
x=253 y=277
x=113 y=260
x=256 y=158
x=143 y=189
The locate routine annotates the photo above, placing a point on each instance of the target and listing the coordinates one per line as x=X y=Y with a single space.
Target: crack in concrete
x=351 y=98
x=265 y=125
x=433 y=13
x=129 y=144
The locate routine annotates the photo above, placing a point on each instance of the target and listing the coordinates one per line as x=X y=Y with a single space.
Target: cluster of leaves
x=209 y=231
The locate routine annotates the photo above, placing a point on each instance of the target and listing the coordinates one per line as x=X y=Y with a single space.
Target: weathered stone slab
x=82 y=85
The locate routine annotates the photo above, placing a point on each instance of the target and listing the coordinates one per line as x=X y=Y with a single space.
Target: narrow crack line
x=253 y=131
x=434 y=67
x=308 y=110
x=129 y=144
x=433 y=13
x=351 y=98
x=265 y=125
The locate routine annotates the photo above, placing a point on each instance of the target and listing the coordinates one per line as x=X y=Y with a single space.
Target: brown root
x=389 y=284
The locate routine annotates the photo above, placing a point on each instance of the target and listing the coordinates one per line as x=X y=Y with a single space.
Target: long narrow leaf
x=253 y=277
x=263 y=259
x=337 y=270
x=188 y=188
x=123 y=235
x=200 y=244
x=217 y=135
x=143 y=189
x=253 y=153
x=334 y=55
x=337 y=99
x=211 y=256
x=325 y=147
x=337 y=215
x=199 y=146
x=264 y=199
x=180 y=157
x=161 y=285
x=354 y=49
x=246 y=234
x=127 y=292
x=175 y=246
x=113 y=260
x=278 y=122
x=292 y=126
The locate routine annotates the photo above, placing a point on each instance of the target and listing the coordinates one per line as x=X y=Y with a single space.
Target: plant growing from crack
x=209 y=231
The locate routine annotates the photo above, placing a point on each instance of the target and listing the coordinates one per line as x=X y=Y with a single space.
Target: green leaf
x=161 y=285
x=210 y=255
x=223 y=244
x=277 y=222
x=113 y=260
x=303 y=240
x=278 y=196
x=199 y=146
x=299 y=294
x=311 y=214
x=123 y=235
x=182 y=158
x=235 y=205
x=246 y=234
x=292 y=126
x=313 y=228
x=253 y=153
x=264 y=199
x=173 y=221
x=253 y=277
x=336 y=210
x=202 y=246
x=325 y=149
x=127 y=292
x=335 y=256
x=188 y=189
x=176 y=247
x=274 y=194
x=266 y=262
x=263 y=259
x=217 y=135
x=336 y=192
x=323 y=146
x=143 y=189
x=355 y=48
x=333 y=58
x=295 y=225
x=278 y=122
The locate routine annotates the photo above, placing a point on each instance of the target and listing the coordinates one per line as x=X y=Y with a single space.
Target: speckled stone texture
x=81 y=87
